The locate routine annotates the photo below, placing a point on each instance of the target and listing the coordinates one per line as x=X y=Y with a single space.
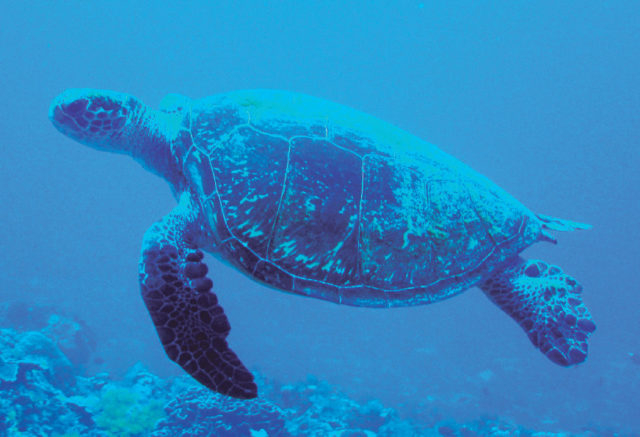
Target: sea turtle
x=314 y=198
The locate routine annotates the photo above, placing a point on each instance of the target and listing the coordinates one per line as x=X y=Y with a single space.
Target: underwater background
x=541 y=97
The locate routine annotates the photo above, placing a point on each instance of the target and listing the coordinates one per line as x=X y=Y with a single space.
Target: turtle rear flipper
x=547 y=304
x=191 y=324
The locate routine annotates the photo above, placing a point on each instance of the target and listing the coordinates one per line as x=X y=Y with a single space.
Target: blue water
x=541 y=97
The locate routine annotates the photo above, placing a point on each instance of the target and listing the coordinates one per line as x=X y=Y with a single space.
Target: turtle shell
x=319 y=199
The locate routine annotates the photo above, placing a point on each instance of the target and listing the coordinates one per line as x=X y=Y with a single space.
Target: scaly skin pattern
x=329 y=211
x=191 y=325
x=96 y=118
x=547 y=304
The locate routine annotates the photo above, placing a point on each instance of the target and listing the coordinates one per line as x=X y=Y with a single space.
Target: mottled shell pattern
x=322 y=200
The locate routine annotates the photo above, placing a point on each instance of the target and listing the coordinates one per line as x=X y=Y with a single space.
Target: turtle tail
x=556 y=224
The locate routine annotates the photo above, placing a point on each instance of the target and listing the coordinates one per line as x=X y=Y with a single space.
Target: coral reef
x=43 y=392
x=35 y=379
x=316 y=408
x=198 y=411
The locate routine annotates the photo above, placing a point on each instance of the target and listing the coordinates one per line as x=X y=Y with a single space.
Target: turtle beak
x=92 y=117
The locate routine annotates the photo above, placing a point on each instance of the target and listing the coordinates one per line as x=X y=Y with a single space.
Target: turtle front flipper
x=191 y=324
x=547 y=304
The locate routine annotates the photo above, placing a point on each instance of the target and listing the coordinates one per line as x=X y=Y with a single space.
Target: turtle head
x=100 y=119
x=120 y=123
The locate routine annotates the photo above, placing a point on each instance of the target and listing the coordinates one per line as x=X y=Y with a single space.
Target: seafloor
x=46 y=390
